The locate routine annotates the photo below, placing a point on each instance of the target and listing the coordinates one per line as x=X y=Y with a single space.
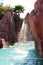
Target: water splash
x=24 y=34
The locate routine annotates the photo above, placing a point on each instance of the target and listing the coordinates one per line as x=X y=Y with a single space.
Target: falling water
x=24 y=34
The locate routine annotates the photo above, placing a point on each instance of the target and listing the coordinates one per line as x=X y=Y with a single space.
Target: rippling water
x=20 y=54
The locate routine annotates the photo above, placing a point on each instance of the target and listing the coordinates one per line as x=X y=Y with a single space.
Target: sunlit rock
x=36 y=25
x=5 y=44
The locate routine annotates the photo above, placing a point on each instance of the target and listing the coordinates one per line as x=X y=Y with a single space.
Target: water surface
x=20 y=54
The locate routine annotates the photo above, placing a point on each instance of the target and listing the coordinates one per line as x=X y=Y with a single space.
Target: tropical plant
x=18 y=9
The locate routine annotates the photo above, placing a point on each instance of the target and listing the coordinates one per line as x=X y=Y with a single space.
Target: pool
x=20 y=54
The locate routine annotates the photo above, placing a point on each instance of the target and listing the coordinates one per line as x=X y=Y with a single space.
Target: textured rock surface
x=36 y=25
x=5 y=27
x=18 y=23
x=10 y=25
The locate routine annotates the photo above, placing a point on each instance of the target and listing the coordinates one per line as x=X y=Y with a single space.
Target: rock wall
x=18 y=23
x=36 y=25
x=7 y=27
x=10 y=26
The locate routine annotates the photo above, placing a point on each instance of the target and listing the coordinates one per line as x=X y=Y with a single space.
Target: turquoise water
x=20 y=54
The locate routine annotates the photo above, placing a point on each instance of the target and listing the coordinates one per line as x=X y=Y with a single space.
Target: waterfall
x=23 y=35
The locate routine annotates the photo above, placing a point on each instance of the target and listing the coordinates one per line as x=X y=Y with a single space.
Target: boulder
x=7 y=30
x=36 y=25
x=10 y=26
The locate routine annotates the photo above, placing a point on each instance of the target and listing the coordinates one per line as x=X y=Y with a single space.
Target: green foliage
x=18 y=9
x=3 y=9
